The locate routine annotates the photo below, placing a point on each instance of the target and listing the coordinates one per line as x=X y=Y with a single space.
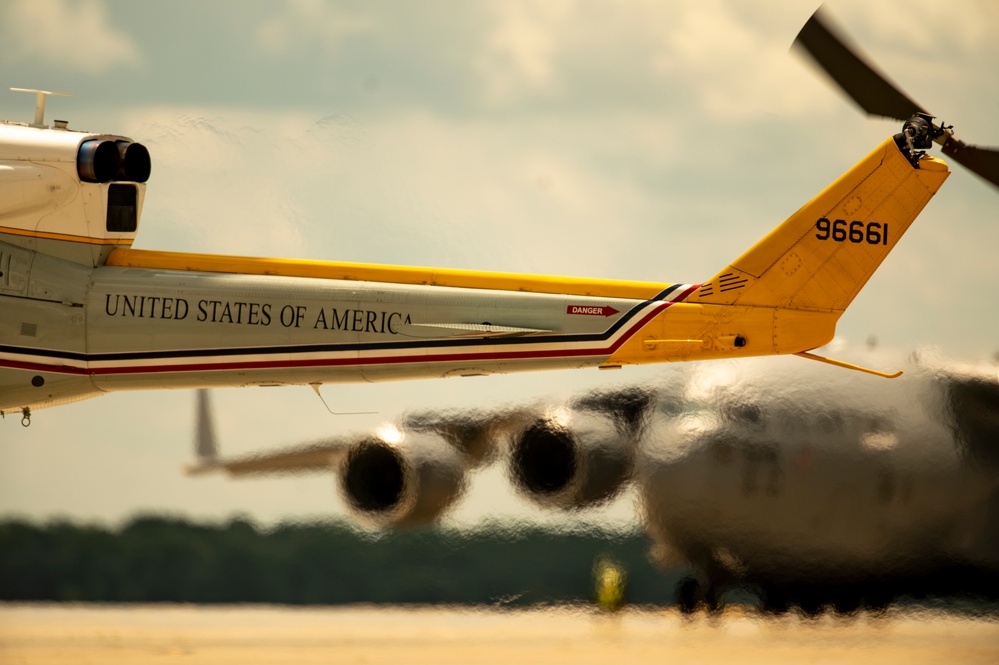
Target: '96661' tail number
x=871 y=233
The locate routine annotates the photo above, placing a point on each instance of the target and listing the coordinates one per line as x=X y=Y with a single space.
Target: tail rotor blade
x=870 y=89
x=878 y=96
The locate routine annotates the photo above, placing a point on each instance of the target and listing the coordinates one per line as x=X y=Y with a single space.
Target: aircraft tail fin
x=206 y=447
x=821 y=256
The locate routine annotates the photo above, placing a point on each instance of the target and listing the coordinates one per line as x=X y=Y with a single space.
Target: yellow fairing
x=469 y=279
x=701 y=332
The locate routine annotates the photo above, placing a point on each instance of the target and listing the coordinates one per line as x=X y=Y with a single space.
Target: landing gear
x=25 y=417
x=688 y=591
x=774 y=602
x=691 y=595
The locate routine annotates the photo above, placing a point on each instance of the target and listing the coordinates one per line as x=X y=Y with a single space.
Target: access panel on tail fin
x=822 y=255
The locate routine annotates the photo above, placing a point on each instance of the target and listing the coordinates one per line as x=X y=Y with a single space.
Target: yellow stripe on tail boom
x=365 y=272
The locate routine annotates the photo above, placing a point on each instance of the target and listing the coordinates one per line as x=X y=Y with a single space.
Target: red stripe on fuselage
x=348 y=362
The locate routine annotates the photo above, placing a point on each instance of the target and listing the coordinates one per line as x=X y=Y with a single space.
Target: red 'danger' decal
x=591 y=310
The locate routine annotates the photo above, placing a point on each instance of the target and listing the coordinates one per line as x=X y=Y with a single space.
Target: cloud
x=713 y=57
x=920 y=25
x=310 y=21
x=407 y=188
x=733 y=64
x=75 y=36
x=220 y=181
x=563 y=54
x=519 y=51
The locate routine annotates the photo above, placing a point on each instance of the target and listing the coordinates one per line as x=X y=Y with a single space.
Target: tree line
x=166 y=559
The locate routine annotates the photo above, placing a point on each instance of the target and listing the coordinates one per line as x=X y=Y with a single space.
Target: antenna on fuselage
x=40 y=96
x=315 y=388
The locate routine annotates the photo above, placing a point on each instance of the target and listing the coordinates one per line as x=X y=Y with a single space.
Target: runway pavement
x=138 y=635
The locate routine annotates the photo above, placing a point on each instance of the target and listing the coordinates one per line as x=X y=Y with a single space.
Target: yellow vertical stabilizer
x=787 y=292
x=822 y=256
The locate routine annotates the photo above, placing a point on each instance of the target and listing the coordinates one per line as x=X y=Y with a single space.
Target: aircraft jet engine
x=580 y=455
x=401 y=478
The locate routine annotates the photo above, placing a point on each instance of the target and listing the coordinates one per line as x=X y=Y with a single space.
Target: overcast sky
x=635 y=140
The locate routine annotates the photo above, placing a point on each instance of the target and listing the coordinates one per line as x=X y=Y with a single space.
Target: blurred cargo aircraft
x=81 y=313
x=807 y=484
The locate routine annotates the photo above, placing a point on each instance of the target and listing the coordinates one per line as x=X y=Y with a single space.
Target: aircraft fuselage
x=72 y=331
x=82 y=313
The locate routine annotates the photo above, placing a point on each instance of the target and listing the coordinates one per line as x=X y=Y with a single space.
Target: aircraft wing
x=318 y=456
x=559 y=454
x=473 y=435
